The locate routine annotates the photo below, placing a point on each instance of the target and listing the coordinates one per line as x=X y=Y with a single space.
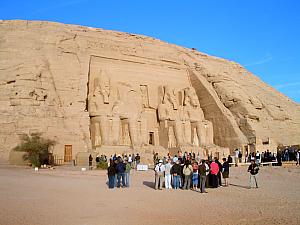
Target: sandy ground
x=68 y=196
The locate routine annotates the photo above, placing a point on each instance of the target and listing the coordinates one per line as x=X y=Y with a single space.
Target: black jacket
x=176 y=168
x=253 y=169
x=111 y=170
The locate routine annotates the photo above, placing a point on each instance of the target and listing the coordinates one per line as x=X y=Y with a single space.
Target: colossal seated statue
x=194 y=114
x=104 y=126
x=129 y=108
x=168 y=113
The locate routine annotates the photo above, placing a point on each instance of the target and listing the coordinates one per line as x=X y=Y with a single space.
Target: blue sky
x=262 y=35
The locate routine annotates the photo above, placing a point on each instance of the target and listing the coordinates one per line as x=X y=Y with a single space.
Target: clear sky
x=262 y=35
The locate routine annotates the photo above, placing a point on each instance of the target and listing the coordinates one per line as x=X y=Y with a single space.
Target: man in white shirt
x=159 y=174
x=168 y=175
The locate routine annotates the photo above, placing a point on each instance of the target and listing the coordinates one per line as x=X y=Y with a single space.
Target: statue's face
x=171 y=97
x=192 y=96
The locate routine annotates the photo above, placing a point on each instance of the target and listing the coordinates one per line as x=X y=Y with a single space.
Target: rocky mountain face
x=45 y=71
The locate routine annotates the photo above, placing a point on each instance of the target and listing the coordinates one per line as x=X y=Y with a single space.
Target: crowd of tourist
x=190 y=172
x=118 y=170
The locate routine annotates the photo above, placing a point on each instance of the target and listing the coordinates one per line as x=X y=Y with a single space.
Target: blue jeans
x=111 y=181
x=127 y=179
x=119 y=176
x=176 y=179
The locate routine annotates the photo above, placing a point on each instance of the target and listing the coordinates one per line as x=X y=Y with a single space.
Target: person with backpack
x=187 y=172
x=159 y=174
x=253 y=170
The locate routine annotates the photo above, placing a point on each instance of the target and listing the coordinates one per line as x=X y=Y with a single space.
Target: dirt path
x=65 y=196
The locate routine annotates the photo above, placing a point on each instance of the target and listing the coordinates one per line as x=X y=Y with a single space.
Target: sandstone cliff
x=44 y=82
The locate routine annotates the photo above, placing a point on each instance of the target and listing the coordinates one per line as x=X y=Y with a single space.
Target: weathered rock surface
x=45 y=70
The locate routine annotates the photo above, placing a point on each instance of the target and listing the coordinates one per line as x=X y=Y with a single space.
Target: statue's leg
x=209 y=132
x=132 y=123
x=104 y=129
x=178 y=133
x=201 y=133
x=115 y=130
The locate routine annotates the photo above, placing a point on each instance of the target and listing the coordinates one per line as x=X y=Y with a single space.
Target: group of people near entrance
x=178 y=172
x=118 y=170
x=187 y=173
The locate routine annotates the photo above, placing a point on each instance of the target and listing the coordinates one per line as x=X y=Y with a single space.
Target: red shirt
x=214 y=167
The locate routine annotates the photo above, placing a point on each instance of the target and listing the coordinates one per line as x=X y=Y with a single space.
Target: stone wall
x=46 y=69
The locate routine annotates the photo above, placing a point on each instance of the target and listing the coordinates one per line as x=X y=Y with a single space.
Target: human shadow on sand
x=240 y=186
x=149 y=184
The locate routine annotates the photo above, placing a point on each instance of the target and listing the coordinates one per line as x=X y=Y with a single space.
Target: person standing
x=236 y=158
x=219 y=173
x=176 y=172
x=111 y=173
x=253 y=170
x=298 y=157
x=203 y=170
x=225 y=171
x=187 y=172
x=214 y=170
x=257 y=157
x=159 y=175
x=168 y=176
x=127 y=173
x=137 y=159
x=195 y=175
x=121 y=167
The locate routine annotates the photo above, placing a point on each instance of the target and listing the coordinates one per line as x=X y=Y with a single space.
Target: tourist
x=236 y=158
x=203 y=172
x=127 y=173
x=219 y=173
x=137 y=159
x=253 y=170
x=176 y=172
x=168 y=176
x=298 y=157
x=187 y=172
x=159 y=175
x=195 y=175
x=225 y=171
x=229 y=159
x=257 y=157
x=175 y=158
x=214 y=170
x=111 y=172
x=121 y=167
x=130 y=160
x=155 y=158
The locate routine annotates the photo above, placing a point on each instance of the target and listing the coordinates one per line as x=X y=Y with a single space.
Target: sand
x=68 y=196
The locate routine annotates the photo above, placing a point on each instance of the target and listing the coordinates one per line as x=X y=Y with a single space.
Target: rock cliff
x=45 y=71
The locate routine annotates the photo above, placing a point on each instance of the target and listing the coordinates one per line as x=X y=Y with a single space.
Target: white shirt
x=207 y=168
x=129 y=159
x=160 y=168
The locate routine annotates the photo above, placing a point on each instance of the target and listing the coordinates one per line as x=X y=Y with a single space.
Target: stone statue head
x=104 y=86
x=170 y=96
x=190 y=97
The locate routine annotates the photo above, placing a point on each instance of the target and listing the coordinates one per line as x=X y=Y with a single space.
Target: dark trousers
x=111 y=181
x=202 y=183
x=214 y=181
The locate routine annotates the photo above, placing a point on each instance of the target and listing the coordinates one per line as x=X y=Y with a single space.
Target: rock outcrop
x=49 y=70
